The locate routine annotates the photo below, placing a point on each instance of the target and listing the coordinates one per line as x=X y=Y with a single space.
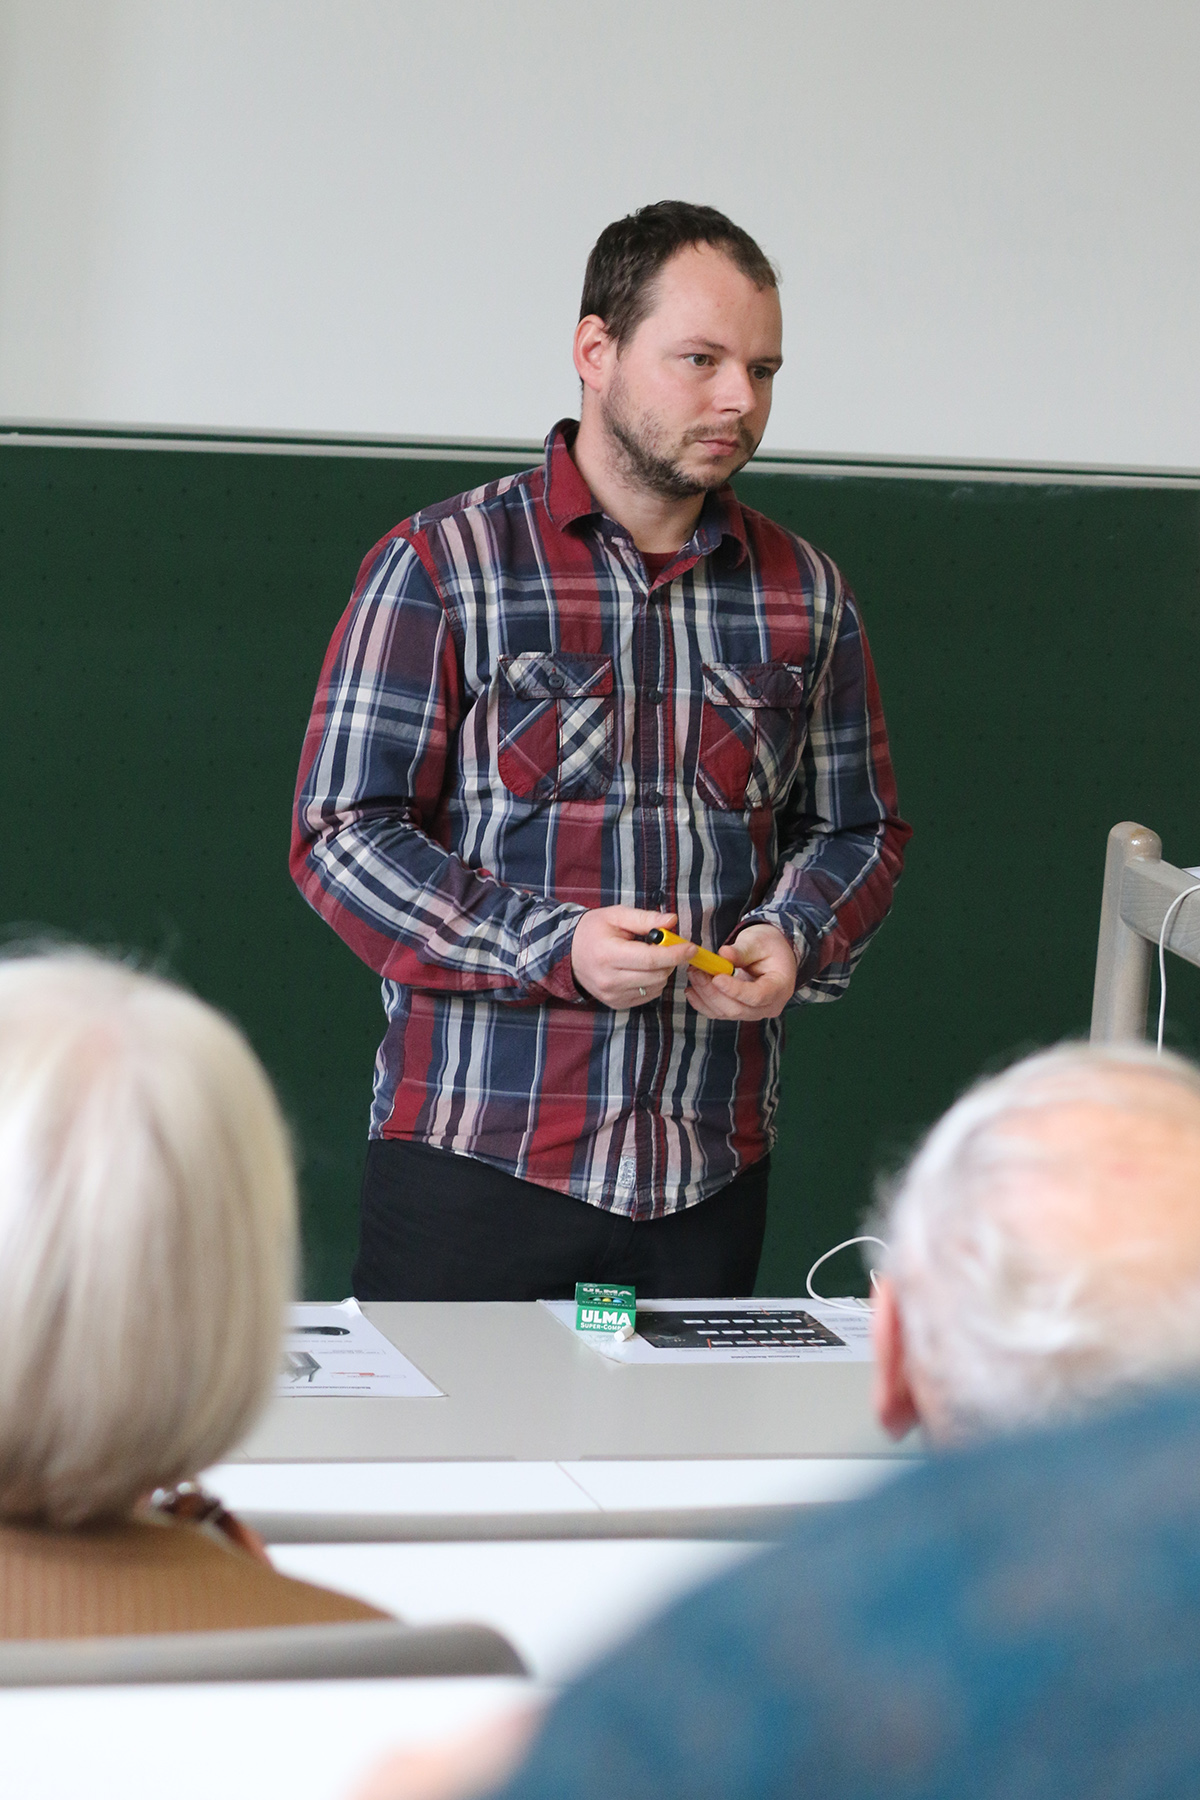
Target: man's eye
x=763 y=374
x=699 y=360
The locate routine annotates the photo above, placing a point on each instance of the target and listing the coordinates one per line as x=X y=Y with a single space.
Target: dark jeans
x=435 y=1226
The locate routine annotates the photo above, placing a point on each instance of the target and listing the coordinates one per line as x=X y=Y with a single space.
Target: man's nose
x=735 y=390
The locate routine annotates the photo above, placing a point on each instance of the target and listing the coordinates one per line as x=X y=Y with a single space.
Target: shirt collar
x=569 y=498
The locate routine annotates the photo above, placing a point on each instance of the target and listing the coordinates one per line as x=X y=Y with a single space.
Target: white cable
x=848 y=1243
x=841 y=1305
x=1176 y=903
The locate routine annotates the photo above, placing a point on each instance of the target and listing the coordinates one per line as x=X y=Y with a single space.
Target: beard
x=647 y=462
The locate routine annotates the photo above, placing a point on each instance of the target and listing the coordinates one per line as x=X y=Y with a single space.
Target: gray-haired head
x=147 y=1236
x=1044 y=1240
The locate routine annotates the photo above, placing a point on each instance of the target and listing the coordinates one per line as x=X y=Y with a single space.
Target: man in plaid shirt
x=575 y=705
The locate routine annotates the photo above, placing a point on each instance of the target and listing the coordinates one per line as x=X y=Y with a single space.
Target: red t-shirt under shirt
x=656 y=561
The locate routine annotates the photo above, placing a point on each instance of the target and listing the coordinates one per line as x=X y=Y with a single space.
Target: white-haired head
x=147 y=1236
x=1044 y=1240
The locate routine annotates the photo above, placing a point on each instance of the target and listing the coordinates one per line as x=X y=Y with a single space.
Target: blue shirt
x=1020 y=1622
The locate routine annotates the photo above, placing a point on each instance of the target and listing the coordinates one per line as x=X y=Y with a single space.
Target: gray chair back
x=1139 y=887
x=286 y=1653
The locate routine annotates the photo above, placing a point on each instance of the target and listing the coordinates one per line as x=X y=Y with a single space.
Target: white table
x=537 y=1435
x=562 y=1604
x=299 y=1740
x=397 y=1502
x=517 y=1387
x=551 y=1493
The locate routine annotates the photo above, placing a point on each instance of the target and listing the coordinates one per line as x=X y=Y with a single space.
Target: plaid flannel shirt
x=512 y=725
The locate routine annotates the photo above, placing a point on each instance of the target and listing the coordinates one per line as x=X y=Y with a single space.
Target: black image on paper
x=734 y=1330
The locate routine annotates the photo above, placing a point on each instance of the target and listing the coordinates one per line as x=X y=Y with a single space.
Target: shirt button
x=556 y=680
x=655 y=697
x=653 y=798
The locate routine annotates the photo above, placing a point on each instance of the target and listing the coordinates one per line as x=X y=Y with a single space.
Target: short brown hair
x=618 y=284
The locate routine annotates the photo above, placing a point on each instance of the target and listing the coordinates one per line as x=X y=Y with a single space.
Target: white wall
x=372 y=215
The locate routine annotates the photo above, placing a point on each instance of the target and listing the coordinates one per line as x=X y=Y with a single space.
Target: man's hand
x=611 y=963
x=764 y=981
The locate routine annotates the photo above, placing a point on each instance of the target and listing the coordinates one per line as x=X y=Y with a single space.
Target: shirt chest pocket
x=556 y=725
x=752 y=726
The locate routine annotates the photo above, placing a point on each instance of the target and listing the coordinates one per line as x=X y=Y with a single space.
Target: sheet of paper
x=334 y=1350
x=735 y=1331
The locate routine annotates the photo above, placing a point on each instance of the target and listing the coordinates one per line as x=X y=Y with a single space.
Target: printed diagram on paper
x=693 y=1331
x=334 y=1350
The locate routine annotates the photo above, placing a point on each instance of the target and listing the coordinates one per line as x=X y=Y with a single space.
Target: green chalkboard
x=1037 y=647
x=164 y=611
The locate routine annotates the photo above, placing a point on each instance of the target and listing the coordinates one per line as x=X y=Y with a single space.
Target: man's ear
x=593 y=351
x=895 y=1406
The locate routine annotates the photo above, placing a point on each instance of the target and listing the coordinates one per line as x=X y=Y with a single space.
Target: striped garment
x=512 y=725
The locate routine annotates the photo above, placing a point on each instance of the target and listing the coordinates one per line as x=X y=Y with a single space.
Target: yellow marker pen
x=703 y=959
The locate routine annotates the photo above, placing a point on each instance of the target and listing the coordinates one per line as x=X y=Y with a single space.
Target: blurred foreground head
x=1044 y=1245
x=147 y=1236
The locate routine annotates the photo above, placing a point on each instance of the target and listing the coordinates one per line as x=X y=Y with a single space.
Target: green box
x=600 y=1308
